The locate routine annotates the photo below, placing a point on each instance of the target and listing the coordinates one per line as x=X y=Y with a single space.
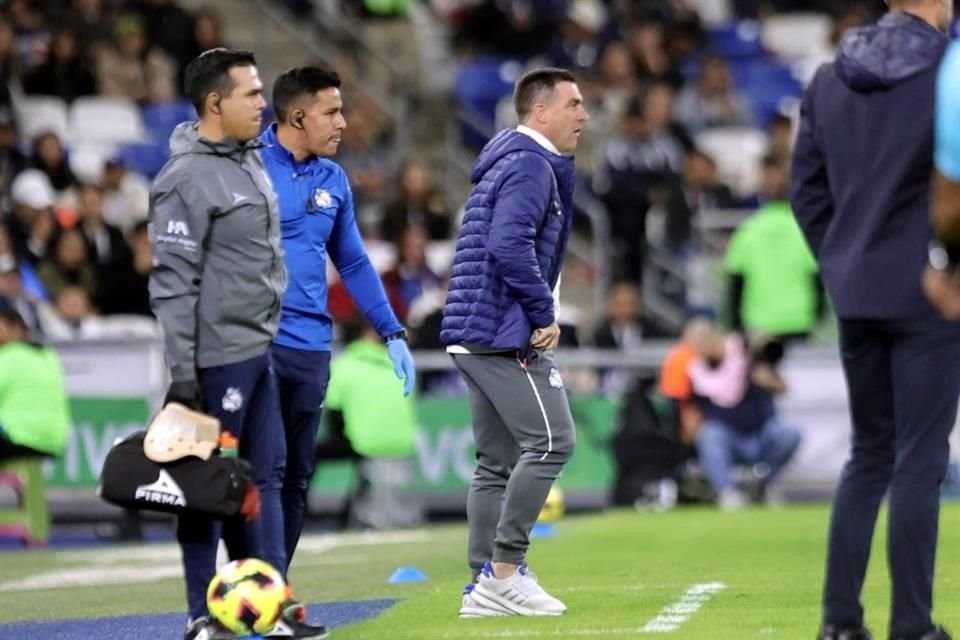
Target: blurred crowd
x=74 y=249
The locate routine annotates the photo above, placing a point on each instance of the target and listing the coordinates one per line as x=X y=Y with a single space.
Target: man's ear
x=213 y=103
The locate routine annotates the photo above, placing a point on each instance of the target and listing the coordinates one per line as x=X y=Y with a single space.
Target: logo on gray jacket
x=164 y=491
x=178 y=228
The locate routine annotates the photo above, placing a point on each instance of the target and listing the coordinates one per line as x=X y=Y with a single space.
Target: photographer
x=734 y=387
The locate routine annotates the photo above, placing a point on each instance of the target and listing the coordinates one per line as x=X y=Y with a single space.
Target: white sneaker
x=520 y=594
x=732 y=500
x=472 y=608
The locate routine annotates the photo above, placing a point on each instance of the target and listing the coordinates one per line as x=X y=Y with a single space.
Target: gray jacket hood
x=186 y=140
x=881 y=55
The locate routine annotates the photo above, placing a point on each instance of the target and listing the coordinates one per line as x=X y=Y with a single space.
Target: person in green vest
x=34 y=414
x=775 y=286
x=365 y=419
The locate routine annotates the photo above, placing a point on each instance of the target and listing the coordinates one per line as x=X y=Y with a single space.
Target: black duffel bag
x=214 y=487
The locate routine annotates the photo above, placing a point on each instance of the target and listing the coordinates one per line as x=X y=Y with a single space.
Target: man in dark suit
x=860 y=192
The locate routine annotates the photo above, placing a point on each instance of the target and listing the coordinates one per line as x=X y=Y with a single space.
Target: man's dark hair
x=210 y=72
x=535 y=86
x=297 y=83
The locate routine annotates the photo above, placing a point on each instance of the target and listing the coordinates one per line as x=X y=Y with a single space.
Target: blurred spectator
x=127 y=290
x=736 y=393
x=170 y=29
x=106 y=245
x=12 y=161
x=424 y=320
x=618 y=74
x=69 y=265
x=364 y=157
x=515 y=28
x=774 y=287
x=50 y=157
x=88 y=19
x=359 y=429
x=133 y=69
x=411 y=277
x=9 y=64
x=625 y=326
x=207 y=31
x=699 y=189
x=34 y=412
x=32 y=225
x=712 y=101
x=12 y=290
x=28 y=283
x=32 y=35
x=64 y=74
x=647 y=42
x=388 y=30
x=632 y=169
x=780 y=131
x=419 y=202
x=126 y=195
x=675 y=383
x=576 y=45
x=73 y=318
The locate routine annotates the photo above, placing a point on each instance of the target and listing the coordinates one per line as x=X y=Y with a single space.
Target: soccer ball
x=553 y=508
x=246 y=596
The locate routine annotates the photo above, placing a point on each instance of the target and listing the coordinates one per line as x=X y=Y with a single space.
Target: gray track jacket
x=218 y=274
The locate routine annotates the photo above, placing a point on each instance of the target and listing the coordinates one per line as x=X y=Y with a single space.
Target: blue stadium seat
x=768 y=85
x=145 y=158
x=736 y=40
x=163 y=117
x=479 y=86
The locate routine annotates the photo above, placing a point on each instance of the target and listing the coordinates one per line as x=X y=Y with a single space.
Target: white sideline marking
x=672 y=616
x=156 y=562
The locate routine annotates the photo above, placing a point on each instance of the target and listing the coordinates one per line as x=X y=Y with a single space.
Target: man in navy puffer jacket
x=500 y=325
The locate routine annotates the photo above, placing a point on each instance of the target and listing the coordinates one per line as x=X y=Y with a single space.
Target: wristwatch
x=946 y=260
x=399 y=335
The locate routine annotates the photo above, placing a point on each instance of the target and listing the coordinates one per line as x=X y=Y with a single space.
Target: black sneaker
x=207 y=629
x=936 y=634
x=833 y=632
x=293 y=624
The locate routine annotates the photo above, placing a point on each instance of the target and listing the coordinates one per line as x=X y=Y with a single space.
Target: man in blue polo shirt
x=316 y=219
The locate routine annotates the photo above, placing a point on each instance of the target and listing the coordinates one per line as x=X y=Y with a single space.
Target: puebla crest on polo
x=322 y=198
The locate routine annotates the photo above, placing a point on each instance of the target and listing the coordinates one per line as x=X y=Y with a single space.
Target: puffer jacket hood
x=881 y=55
x=186 y=140
x=511 y=141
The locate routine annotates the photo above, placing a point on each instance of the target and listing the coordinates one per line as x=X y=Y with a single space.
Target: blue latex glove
x=402 y=364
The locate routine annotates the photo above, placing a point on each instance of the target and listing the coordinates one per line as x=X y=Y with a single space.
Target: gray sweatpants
x=524 y=435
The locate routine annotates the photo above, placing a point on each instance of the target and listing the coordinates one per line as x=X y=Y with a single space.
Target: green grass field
x=616 y=572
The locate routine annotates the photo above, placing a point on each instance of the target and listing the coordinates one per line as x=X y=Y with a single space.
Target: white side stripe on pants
x=543 y=412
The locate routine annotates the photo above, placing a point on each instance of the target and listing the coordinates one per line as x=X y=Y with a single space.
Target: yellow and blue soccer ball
x=553 y=509
x=246 y=596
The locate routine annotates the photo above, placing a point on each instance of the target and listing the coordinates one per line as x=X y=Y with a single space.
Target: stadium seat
x=479 y=86
x=106 y=121
x=38 y=114
x=29 y=520
x=736 y=40
x=146 y=158
x=87 y=159
x=162 y=118
x=795 y=36
x=770 y=87
x=737 y=152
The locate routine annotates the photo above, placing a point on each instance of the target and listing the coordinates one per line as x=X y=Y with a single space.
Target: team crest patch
x=232 y=400
x=322 y=198
x=554 y=379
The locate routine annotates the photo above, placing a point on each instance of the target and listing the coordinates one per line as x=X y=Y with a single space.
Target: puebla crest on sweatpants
x=554 y=378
